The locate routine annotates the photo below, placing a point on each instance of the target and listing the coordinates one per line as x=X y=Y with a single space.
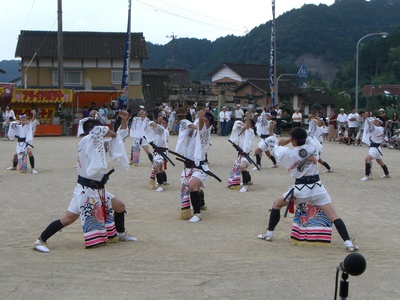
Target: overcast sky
x=157 y=19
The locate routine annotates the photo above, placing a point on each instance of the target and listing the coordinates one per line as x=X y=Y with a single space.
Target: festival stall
x=48 y=102
x=84 y=98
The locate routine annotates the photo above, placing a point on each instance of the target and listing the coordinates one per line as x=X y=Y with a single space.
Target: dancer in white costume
x=91 y=201
x=317 y=129
x=158 y=137
x=373 y=136
x=193 y=143
x=302 y=164
x=24 y=131
x=139 y=128
x=264 y=127
x=243 y=136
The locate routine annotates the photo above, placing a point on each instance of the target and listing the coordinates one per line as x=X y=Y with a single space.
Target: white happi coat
x=92 y=155
x=302 y=161
x=159 y=136
x=242 y=137
x=263 y=125
x=193 y=143
x=373 y=134
x=316 y=131
x=139 y=128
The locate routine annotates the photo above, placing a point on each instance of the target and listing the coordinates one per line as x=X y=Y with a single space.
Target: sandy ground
x=218 y=258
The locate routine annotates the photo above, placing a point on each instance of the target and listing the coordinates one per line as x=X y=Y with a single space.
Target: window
x=135 y=77
x=71 y=78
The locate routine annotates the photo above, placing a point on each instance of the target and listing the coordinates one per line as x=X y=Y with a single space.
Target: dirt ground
x=217 y=258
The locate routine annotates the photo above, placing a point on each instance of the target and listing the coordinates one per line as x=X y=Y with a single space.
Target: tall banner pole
x=272 y=59
x=123 y=99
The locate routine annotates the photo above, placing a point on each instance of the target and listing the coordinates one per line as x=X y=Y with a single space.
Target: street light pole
x=384 y=35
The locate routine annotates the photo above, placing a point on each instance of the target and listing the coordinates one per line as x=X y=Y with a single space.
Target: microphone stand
x=344 y=286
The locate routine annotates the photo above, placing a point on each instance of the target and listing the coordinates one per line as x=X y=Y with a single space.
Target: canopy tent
x=86 y=97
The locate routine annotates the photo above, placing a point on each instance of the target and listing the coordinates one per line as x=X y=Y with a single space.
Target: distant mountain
x=11 y=69
x=319 y=37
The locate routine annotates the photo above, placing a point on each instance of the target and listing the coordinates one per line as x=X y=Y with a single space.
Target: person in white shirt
x=239 y=113
x=341 y=119
x=224 y=121
x=352 y=118
x=296 y=118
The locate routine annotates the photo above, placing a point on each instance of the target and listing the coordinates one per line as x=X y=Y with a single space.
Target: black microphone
x=354 y=264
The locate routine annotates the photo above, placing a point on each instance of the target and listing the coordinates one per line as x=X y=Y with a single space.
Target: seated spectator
x=343 y=136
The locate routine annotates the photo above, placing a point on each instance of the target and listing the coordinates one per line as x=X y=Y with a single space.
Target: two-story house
x=92 y=61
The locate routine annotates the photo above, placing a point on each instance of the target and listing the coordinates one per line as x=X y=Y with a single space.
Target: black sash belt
x=307 y=179
x=190 y=164
x=264 y=136
x=90 y=183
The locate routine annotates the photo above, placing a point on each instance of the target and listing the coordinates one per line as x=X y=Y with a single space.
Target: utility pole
x=173 y=48
x=60 y=47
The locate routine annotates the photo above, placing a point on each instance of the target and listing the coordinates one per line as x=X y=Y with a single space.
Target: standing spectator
x=273 y=113
x=353 y=124
x=332 y=121
x=9 y=113
x=1 y=120
x=215 y=125
x=394 y=123
x=239 y=113
x=360 y=131
x=171 y=120
x=297 y=118
x=85 y=112
x=224 y=121
x=103 y=113
x=115 y=118
x=155 y=112
x=278 y=121
x=188 y=115
x=168 y=110
x=342 y=120
x=93 y=106
x=385 y=119
x=230 y=119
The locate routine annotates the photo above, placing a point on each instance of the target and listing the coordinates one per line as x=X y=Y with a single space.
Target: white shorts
x=373 y=151
x=157 y=159
x=263 y=146
x=80 y=194
x=188 y=174
x=316 y=196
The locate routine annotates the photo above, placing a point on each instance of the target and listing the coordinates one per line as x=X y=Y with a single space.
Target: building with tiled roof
x=384 y=89
x=91 y=60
